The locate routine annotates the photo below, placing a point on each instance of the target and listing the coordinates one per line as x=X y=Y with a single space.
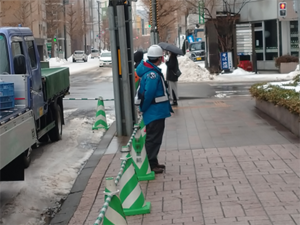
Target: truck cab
x=197 y=51
x=37 y=110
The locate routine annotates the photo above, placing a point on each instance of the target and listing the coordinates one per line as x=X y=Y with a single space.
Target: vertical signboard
x=226 y=60
x=190 y=38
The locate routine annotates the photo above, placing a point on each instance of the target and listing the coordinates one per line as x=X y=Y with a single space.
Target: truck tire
x=55 y=133
x=27 y=158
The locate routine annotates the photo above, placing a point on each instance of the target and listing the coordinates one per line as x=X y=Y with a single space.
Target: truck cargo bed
x=16 y=136
x=9 y=114
x=56 y=81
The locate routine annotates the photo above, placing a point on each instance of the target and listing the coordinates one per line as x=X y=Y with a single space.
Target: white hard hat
x=155 y=51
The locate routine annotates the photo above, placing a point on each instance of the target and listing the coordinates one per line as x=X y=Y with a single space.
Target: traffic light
x=282 y=9
x=149 y=26
x=54 y=39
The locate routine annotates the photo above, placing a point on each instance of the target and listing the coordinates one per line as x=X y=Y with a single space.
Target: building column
x=285 y=37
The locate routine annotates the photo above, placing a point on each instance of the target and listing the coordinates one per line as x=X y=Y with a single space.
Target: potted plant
x=286 y=63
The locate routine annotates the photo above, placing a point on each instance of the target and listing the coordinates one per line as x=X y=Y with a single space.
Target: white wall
x=258 y=10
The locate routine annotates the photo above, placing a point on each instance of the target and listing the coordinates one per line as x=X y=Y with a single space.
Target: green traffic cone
x=131 y=195
x=114 y=214
x=140 y=158
x=100 y=116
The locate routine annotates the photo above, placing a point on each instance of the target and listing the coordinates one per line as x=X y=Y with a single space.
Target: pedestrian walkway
x=227 y=163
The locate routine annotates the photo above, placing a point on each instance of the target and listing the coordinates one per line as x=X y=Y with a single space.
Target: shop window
x=294 y=38
x=271 y=44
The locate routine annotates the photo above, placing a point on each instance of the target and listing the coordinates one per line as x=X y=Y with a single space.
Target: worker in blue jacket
x=154 y=104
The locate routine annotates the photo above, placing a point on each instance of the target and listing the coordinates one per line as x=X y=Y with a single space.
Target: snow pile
x=284 y=85
x=191 y=72
x=238 y=71
x=296 y=72
x=56 y=62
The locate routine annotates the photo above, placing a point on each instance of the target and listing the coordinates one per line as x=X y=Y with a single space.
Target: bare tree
x=24 y=13
x=167 y=11
x=54 y=20
x=105 y=38
x=72 y=24
x=224 y=14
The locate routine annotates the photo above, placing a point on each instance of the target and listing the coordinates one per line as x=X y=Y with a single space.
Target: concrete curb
x=87 y=182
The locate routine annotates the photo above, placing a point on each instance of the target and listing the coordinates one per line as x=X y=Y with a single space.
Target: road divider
x=85 y=99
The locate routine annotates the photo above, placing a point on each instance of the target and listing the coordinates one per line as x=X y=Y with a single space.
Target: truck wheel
x=55 y=133
x=27 y=158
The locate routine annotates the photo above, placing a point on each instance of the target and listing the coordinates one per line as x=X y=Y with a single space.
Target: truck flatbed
x=9 y=114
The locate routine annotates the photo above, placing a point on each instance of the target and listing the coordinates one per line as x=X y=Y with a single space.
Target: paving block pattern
x=227 y=164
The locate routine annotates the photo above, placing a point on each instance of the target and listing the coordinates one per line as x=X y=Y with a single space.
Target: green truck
x=31 y=101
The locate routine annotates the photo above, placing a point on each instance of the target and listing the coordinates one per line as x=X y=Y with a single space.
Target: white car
x=95 y=53
x=79 y=55
x=105 y=59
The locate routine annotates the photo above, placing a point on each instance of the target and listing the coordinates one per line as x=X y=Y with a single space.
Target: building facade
x=274 y=35
x=27 y=13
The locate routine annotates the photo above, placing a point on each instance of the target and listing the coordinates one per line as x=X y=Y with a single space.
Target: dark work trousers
x=174 y=96
x=154 y=135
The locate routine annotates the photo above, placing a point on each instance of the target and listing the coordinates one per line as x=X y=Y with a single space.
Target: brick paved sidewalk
x=227 y=163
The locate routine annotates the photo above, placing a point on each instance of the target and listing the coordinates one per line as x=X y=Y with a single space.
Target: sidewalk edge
x=73 y=200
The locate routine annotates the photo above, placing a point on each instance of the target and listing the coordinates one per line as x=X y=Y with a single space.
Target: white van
x=95 y=53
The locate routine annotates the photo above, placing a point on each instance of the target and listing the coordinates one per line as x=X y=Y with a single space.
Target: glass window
x=4 y=62
x=16 y=48
x=107 y=54
x=271 y=39
x=294 y=38
x=259 y=48
x=31 y=53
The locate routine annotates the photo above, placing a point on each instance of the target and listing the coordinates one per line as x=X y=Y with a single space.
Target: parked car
x=95 y=53
x=79 y=55
x=105 y=59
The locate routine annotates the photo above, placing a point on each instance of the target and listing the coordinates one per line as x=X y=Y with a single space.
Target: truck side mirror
x=19 y=64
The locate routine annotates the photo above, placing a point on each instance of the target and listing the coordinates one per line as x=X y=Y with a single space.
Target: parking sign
x=226 y=60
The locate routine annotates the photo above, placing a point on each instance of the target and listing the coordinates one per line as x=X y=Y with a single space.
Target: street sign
x=49 y=46
x=226 y=60
x=199 y=39
x=190 y=39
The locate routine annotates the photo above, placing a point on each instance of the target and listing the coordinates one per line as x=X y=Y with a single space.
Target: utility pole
x=298 y=11
x=65 y=32
x=84 y=25
x=179 y=31
x=121 y=42
x=154 y=30
x=99 y=35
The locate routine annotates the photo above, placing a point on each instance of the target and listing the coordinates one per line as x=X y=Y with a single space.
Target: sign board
x=190 y=39
x=244 y=39
x=199 y=39
x=49 y=46
x=226 y=60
